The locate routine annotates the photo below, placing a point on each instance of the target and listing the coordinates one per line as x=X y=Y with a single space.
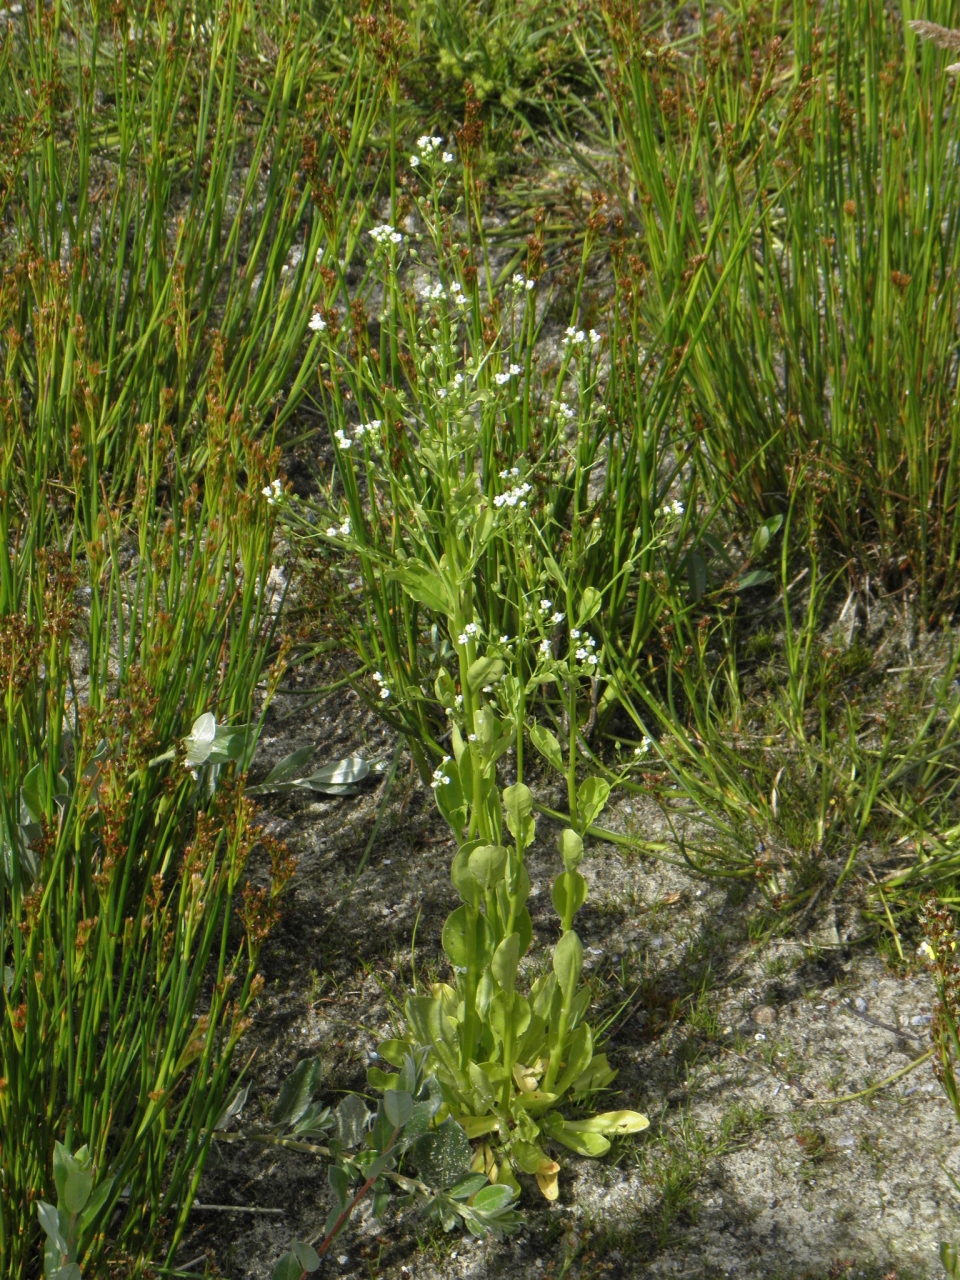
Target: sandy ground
x=727 y=1044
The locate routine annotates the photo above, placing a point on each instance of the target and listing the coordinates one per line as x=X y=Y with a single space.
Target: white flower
x=591 y=660
x=677 y=508
x=342 y=439
x=566 y=411
x=461 y=299
x=515 y=370
x=471 y=737
x=317 y=322
x=472 y=629
x=414 y=162
x=557 y=617
x=273 y=492
x=513 y=497
x=546 y=605
x=441 y=779
x=447 y=157
x=458 y=701
x=926 y=951
x=458 y=380
x=501 y=378
x=575 y=633
x=545 y=648
x=442 y=393
x=759 y=1036
x=386 y=234
x=427 y=145
x=645 y=745
x=504 y=639
x=576 y=336
x=595 y=338
x=345 y=528
x=332 y=531
x=384 y=692
x=511 y=471
x=520 y=281
x=378 y=677
x=590 y=642
x=367 y=428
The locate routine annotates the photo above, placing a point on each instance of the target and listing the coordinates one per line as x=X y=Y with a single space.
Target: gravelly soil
x=727 y=1045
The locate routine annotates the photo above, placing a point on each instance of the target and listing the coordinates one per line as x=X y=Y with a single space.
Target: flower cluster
x=585 y=652
x=565 y=411
x=342 y=532
x=645 y=745
x=273 y=492
x=379 y=680
x=515 y=497
x=578 y=338
x=670 y=509
x=317 y=323
x=441 y=779
x=342 y=439
x=512 y=372
x=520 y=281
x=469 y=632
x=364 y=429
x=386 y=234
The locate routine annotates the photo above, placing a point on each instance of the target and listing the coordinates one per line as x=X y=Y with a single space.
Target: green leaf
x=339 y=1185
x=505 y=961
x=484 y=671
x=97 y=1201
x=307 y=1256
x=70 y=1272
x=296 y=1092
x=493 y=1198
x=487 y=863
x=381 y=1080
x=50 y=1221
x=442 y=1156
x=290 y=766
x=518 y=804
x=467 y=938
x=344 y=773
x=755 y=578
x=571 y=849
x=76 y=1191
x=445 y=689
x=577 y=1054
x=592 y=796
x=763 y=535
x=527 y=1156
x=393 y=1051
x=696 y=575
x=611 y=1122
x=547 y=745
x=288 y=1268
x=569 y=895
x=590 y=603
x=425 y=587
x=568 y=963
x=398 y=1107
x=463 y=878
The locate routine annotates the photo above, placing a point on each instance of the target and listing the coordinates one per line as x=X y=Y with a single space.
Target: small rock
x=860 y=1004
x=764 y=1014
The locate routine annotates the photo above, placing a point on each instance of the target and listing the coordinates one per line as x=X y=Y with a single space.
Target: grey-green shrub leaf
x=50 y=1221
x=755 y=578
x=296 y=1092
x=290 y=766
x=442 y=1155
x=351 y=1118
x=288 y=1268
x=398 y=1105
x=339 y=1185
x=307 y=1256
x=199 y=742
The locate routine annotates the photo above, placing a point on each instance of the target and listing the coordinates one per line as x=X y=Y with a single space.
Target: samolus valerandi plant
x=507 y=1054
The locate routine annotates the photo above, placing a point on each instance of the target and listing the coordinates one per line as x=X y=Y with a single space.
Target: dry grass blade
x=942 y=37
